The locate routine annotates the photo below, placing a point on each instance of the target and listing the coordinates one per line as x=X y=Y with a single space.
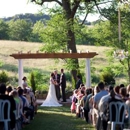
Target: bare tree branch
x=96 y=4
x=102 y=2
x=74 y=9
x=88 y=11
x=84 y=18
x=58 y=2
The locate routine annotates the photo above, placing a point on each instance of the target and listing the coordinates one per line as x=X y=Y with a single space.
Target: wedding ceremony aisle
x=57 y=118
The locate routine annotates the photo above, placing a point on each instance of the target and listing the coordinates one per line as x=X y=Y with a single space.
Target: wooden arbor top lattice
x=53 y=55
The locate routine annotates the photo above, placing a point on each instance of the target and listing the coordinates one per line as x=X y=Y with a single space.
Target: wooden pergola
x=37 y=55
x=53 y=55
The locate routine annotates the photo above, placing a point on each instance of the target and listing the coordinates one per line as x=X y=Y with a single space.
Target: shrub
x=41 y=80
x=108 y=78
x=4 y=77
x=13 y=80
x=95 y=78
x=32 y=81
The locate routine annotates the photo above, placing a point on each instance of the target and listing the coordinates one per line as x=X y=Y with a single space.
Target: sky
x=10 y=8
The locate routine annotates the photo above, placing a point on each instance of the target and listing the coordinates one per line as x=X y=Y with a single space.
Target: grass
x=46 y=66
x=11 y=65
x=9 y=47
x=57 y=118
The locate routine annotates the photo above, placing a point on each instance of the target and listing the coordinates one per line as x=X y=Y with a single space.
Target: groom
x=57 y=86
x=63 y=84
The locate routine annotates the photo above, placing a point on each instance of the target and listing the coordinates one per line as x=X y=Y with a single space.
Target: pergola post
x=88 y=73
x=20 y=72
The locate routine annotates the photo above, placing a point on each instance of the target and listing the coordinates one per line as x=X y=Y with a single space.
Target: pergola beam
x=53 y=55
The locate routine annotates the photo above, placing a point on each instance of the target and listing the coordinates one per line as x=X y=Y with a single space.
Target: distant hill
x=33 y=18
x=28 y=16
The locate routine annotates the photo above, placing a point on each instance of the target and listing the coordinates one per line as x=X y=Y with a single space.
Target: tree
x=37 y=31
x=4 y=28
x=101 y=33
x=121 y=46
x=32 y=81
x=69 y=10
x=20 y=30
x=124 y=43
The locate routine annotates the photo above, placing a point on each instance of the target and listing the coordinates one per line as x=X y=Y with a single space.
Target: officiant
x=57 y=86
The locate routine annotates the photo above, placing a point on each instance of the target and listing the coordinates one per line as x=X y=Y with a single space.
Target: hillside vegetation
x=10 y=65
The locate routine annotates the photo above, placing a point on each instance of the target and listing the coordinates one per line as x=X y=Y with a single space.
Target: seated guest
x=87 y=92
x=3 y=96
x=128 y=90
x=97 y=98
x=104 y=99
x=81 y=86
x=8 y=90
x=122 y=85
x=123 y=94
x=86 y=105
x=93 y=113
x=14 y=94
x=103 y=104
x=74 y=101
x=28 y=112
x=106 y=114
x=27 y=95
x=79 y=82
x=116 y=91
x=82 y=101
x=79 y=97
x=33 y=100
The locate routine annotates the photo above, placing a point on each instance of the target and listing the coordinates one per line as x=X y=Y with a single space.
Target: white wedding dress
x=51 y=100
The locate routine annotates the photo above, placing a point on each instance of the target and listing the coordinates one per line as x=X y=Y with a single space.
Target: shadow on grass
x=52 y=119
x=65 y=109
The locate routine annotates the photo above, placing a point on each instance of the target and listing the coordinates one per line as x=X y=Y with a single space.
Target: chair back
x=128 y=109
x=4 y=106
x=117 y=112
x=17 y=114
x=129 y=112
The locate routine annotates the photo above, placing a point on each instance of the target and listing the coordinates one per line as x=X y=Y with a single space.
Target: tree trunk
x=71 y=45
x=128 y=65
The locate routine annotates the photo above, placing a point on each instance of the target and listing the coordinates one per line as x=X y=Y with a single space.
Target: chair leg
x=113 y=125
x=16 y=126
x=6 y=125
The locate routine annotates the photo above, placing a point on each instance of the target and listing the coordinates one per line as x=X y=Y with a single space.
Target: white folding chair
x=129 y=117
x=128 y=122
x=119 y=114
x=18 y=125
x=6 y=120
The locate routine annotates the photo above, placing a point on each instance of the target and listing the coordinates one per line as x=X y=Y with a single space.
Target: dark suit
x=63 y=86
x=57 y=87
x=78 y=83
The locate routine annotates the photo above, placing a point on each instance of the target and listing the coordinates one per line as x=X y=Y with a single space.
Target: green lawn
x=57 y=118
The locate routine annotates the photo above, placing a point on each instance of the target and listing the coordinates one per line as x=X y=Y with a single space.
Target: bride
x=51 y=99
